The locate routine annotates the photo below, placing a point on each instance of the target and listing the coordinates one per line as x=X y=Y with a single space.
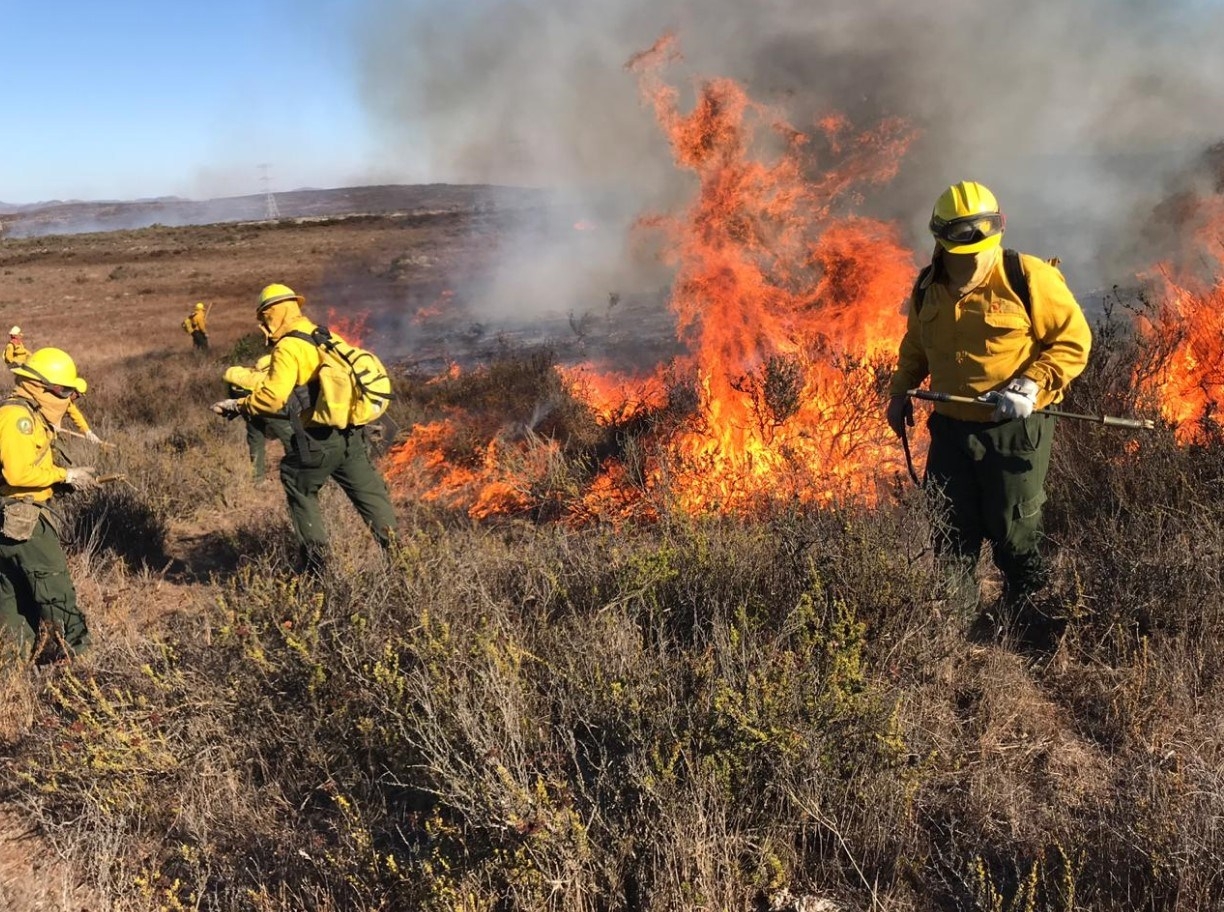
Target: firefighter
x=316 y=452
x=35 y=588
x=196 y=326
x=259 y=428
x=972 y=332
x=15 y=352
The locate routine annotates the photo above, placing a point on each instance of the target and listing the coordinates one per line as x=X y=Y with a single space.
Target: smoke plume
x=1073 y=111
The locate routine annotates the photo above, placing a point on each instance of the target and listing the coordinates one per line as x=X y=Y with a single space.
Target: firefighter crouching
x=318 y=452
x=35 y=588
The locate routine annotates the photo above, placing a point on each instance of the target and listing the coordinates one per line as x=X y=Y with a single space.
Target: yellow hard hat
x=275 y=294
x=54 y=369
x=199 y=305
x=966 y=219
x=263 y=362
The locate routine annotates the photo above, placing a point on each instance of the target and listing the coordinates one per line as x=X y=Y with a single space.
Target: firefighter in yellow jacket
x=259 y=428
x=35 y=588
x=15 y=352
x=196 y=325
x=973 y=333
x=317 y=452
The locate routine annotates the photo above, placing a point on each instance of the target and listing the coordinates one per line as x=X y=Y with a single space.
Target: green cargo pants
x=989 y=478
x=35 y=587
x=343 y=456
x=258 y=429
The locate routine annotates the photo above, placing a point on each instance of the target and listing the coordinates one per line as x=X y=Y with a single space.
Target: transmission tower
x=271 y=210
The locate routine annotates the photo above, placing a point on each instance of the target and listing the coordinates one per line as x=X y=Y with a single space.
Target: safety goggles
x=61 y=392
x=968 y=229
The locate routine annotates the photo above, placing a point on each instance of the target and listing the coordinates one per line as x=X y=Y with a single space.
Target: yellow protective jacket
x=27 y=461
x=15 y=353
x=244 y=378
x=78 y=418
x=981 y=341
x=294 y=363
x=195 y=320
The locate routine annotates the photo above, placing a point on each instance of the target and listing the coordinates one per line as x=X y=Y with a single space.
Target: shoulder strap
x=918 y=295
x=1017 y=278
x=320 y=337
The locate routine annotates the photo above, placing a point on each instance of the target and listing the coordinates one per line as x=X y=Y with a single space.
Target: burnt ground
x=428 y=282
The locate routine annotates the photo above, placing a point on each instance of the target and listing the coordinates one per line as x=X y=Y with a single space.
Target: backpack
x=1017 y=278
x=187 y=325
x=352 y=388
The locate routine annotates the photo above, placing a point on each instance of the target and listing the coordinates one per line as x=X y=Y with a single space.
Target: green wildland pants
x=989 y=477
x=343 y=456
x=258 y=429
x=35 y=587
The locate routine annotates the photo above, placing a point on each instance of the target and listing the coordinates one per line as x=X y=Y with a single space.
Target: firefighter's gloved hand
x=900 y=413
x=79 y=478
x=1016 y=400
x=92 y=437
x=226 y=408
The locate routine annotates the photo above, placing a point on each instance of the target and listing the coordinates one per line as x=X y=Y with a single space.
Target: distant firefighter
x=196 y=326
x=35 y=588
x=259 y=428
x=15 y=352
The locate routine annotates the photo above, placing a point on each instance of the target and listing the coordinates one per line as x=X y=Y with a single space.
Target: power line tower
x=271 y=210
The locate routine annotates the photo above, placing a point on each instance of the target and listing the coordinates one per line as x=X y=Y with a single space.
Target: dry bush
x=699 y=714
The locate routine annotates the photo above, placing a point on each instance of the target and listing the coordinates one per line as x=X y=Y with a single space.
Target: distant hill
x=76 y=217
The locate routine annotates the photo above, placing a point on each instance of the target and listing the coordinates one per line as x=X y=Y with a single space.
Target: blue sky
x=134 y=98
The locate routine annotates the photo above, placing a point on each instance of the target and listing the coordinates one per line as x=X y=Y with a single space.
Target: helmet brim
x=278 y=299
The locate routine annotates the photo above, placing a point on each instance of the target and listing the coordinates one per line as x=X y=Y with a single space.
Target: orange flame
x=352 y=328
x=789 y=307
x=1185 y=330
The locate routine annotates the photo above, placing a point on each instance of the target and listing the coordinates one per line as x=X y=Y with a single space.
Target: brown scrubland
x=708 y=713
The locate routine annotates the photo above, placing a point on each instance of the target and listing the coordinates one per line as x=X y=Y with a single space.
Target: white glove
x=226 y=408
x=1016 y=400
x=92 y=437
x=81 y=477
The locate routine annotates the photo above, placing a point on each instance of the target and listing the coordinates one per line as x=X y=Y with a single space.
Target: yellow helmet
x=275 y=294
x=263 y=362
x=966 y=219
x=54 y=369
x=199 y=305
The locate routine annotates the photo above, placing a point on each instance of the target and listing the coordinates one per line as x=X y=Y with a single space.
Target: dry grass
x=699 y=714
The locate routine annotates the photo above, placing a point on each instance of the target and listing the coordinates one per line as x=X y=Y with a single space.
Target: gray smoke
x=1073 y=111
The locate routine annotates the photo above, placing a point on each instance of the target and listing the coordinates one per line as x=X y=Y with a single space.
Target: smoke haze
x=1073 y=111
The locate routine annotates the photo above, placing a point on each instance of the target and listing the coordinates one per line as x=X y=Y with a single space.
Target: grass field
x=703 y=712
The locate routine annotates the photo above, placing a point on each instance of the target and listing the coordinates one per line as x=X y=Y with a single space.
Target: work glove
x=226 y=408
x=900 y=413
x=92 y=437
x=80 y=478
x=1016 y=400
